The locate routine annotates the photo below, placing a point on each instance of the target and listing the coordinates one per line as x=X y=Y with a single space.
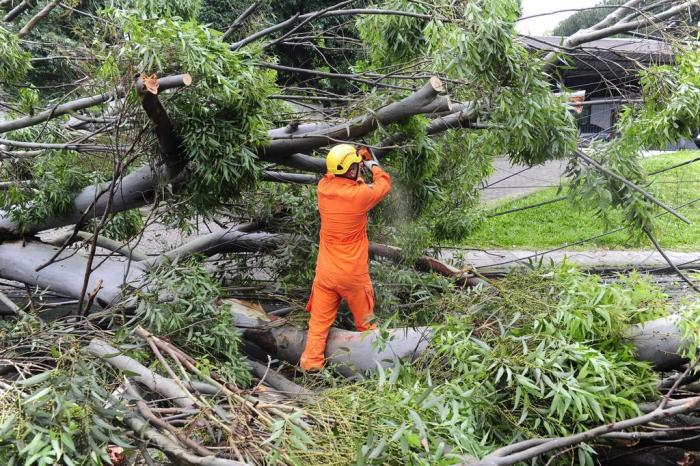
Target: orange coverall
x=342 y=267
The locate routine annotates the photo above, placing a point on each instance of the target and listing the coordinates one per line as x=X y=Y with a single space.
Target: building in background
x=607 y=70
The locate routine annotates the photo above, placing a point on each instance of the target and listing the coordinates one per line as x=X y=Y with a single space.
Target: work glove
x=365 y=153
x=368 y=157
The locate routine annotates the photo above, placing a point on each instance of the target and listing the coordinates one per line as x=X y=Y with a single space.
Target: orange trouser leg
x=323 y=306
x=360 y=299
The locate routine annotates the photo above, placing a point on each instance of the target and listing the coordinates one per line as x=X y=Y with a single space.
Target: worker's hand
x=365 y=153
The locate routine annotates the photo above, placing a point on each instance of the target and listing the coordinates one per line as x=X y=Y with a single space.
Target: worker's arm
x=371 y=194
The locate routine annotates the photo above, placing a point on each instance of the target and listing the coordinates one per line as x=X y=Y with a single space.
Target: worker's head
x=343 y=160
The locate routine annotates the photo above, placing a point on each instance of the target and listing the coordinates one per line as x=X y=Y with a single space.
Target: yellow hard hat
x=340 y=158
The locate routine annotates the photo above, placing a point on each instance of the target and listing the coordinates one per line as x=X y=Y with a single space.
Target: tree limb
x=31 y=24
x=167 y=82
x=115 y=246
x=155 y=382
x=533 y=448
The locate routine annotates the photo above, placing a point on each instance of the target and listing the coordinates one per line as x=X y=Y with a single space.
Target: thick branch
x=232 y=240
x=132 y=191
x=16 y=11
x=297 y=178
x=167 y=82
x=309 y=137
x=279 y=382
x=123 y=249
x=168 y=140
x=19 y=261
x=609 y=26
x=31 y=24
x=422 y=263
x=351 y=351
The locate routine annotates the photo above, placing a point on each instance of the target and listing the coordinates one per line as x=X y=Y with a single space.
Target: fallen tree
x=179 y=128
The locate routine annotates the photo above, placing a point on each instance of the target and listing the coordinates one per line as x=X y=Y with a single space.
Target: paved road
x=502 y=261
x=514 y=181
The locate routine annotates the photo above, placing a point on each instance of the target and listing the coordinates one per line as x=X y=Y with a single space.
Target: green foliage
x=67 y=418
x=408 y=298
x=395 y=39
x=184 y=307
x=60 y=174
x=671 y=104
x=14 y=62
x=484 y=50
x=185 y=9
x=670 y=112
x=542 y=356
x=123 y=225
x=689 y=324
x=222 y=119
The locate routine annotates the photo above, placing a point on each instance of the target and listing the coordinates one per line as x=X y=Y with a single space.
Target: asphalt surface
x=513 y=181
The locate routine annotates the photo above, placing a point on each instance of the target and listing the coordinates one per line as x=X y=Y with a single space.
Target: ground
x=560 y=223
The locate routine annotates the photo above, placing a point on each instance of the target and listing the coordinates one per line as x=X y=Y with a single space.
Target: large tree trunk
x=352 y=352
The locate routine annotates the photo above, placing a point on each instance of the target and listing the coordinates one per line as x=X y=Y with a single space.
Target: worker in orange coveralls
x=342 y=268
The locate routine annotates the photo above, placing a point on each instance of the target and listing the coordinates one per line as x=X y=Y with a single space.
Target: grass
x=560 y=223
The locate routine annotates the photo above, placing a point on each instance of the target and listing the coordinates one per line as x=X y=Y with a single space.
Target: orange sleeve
x=371 y=194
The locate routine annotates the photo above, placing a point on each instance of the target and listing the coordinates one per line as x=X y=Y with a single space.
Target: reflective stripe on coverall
x=342 y=267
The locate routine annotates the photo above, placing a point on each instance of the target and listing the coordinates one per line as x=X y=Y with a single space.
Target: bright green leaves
x=222 y=119
x=184 y=307
x=670 y=112
x=14 y=62
x=59 y=174
x=185 y=9
x=66 y=417
x=671 y=107
x=481 y=47
x=547 y=353
x=393 y=39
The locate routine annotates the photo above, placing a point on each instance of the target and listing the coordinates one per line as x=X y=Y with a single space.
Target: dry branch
x=528 y=449
x=175 y=452
x=31 y=24
x=155 y=382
